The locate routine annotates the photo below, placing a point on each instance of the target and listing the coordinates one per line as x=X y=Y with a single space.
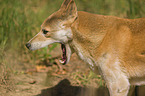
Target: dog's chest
x=86 y=58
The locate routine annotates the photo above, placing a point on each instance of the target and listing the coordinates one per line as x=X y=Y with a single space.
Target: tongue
x=64 y=57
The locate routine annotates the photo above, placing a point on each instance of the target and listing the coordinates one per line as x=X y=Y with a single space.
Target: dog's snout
x=28 y=45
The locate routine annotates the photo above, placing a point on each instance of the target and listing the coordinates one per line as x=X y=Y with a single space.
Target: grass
x=20 y=20
x=86 y=79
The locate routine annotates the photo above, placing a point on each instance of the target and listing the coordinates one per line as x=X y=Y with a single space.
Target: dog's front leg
x=115 y=78
x=119 y=87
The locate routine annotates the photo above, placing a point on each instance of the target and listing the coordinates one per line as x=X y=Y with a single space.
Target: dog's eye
x=44 y=31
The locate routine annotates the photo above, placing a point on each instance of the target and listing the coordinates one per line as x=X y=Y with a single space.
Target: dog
x=112 y=45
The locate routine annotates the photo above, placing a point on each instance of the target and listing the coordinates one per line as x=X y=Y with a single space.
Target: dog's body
x=113 y=45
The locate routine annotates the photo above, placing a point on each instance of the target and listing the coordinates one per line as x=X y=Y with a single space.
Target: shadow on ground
x=64 y=88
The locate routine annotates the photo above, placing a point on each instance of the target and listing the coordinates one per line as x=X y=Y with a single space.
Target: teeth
x=61 y=61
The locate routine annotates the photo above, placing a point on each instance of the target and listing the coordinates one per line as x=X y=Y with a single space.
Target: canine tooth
x=61 y=61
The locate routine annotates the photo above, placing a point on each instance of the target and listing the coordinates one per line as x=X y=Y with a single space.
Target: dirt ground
x=56 y=80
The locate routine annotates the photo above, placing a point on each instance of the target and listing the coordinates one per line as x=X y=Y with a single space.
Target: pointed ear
x=69 y=9
x=64 y=4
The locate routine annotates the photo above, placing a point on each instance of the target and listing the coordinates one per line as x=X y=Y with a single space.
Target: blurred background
x=20 y=68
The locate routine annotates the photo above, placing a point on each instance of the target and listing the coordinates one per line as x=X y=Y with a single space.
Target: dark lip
x=64 y=56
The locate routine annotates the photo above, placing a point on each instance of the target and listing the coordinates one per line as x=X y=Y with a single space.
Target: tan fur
x=112 y=45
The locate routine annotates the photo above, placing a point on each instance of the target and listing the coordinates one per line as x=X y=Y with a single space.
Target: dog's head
x=56 y=29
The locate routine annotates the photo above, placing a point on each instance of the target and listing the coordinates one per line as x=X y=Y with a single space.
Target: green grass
x=20 y=20
x=86 y=79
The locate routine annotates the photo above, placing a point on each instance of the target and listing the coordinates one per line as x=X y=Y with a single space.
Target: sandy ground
x=50 y=81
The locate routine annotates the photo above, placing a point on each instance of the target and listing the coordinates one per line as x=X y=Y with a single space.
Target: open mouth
x=64 y=57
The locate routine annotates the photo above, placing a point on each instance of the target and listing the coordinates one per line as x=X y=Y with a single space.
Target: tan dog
x=113 y=45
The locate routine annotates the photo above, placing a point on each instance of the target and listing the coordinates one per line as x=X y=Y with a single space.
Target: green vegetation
x=20 y=20
x=86 y=79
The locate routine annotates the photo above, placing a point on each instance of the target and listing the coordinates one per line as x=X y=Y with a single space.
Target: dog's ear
x=64 y=4
x=69 y=9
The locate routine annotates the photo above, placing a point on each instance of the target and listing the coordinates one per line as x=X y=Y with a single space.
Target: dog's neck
x=85 y=37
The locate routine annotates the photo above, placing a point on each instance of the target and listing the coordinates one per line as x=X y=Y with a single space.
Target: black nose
x=28 y=45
